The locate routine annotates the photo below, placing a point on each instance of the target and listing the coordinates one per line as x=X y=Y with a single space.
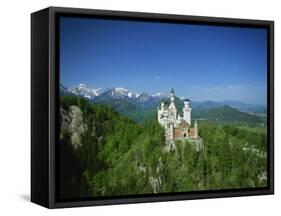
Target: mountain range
x=139 y=106
x=143 y=99
x=146 y=100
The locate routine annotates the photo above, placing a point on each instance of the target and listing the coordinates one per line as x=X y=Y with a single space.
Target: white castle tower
x=172 y=111
x=162 y=114
x=187 y=112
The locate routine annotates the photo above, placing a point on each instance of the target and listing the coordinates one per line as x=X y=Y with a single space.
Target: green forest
x=104 y=153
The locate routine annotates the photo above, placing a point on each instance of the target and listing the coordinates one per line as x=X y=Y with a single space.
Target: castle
x=178 y=127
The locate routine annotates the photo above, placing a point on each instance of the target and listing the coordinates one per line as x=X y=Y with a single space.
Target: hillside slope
x=102 y=153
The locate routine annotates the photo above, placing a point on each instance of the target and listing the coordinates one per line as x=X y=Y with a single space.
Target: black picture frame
x=44 y=105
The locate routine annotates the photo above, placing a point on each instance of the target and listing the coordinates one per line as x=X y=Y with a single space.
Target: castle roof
x=186 y=99
x=172 y=91
x=184 y=124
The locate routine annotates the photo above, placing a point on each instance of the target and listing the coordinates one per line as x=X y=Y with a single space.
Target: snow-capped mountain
x=146 y=100
x=160 y=95
x=126 y=92
x=113 y=94
x=144 y=97
x=85 y=91
x=141 y=100
x=119 y=93
x=123 y=97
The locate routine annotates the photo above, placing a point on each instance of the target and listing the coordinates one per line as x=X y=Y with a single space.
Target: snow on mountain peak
x=158 y=94
x=85 y=91
x=126 y=92
x=121 y=90
x=118 y=92
x=82 y=85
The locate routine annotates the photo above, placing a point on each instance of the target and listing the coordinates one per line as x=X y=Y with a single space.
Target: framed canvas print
x=139 y=107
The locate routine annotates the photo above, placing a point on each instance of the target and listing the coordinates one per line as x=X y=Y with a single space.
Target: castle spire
x=172 y=95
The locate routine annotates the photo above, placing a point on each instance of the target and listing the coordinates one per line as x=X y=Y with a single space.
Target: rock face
x=72 y=122
x=154 y=177
x=155 y=183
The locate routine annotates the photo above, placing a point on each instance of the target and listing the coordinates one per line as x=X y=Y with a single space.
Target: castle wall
x=187 y=115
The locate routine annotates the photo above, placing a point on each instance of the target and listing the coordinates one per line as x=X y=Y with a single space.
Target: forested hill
x=226 y=114
x=102 y=153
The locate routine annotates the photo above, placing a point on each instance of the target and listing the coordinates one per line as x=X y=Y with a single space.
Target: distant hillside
x=142 y=106
x=241 y=106
x=219 y=114
x=121 y=106
x=226 y=114
x=138 y=114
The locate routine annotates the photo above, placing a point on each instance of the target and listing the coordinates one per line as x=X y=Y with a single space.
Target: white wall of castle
x=187 y=115
x=187 y=112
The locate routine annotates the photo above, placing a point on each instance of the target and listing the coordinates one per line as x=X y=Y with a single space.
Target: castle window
x=184 y=135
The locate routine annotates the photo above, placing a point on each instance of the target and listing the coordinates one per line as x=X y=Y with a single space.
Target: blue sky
x=200 y=62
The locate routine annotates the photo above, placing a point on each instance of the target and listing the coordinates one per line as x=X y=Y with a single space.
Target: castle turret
x=187 y=112
x=172 y=95
x=172 y=111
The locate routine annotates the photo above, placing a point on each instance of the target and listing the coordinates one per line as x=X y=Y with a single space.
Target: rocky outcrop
x=155 y=183
x=72 y=122
x=154 y=177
